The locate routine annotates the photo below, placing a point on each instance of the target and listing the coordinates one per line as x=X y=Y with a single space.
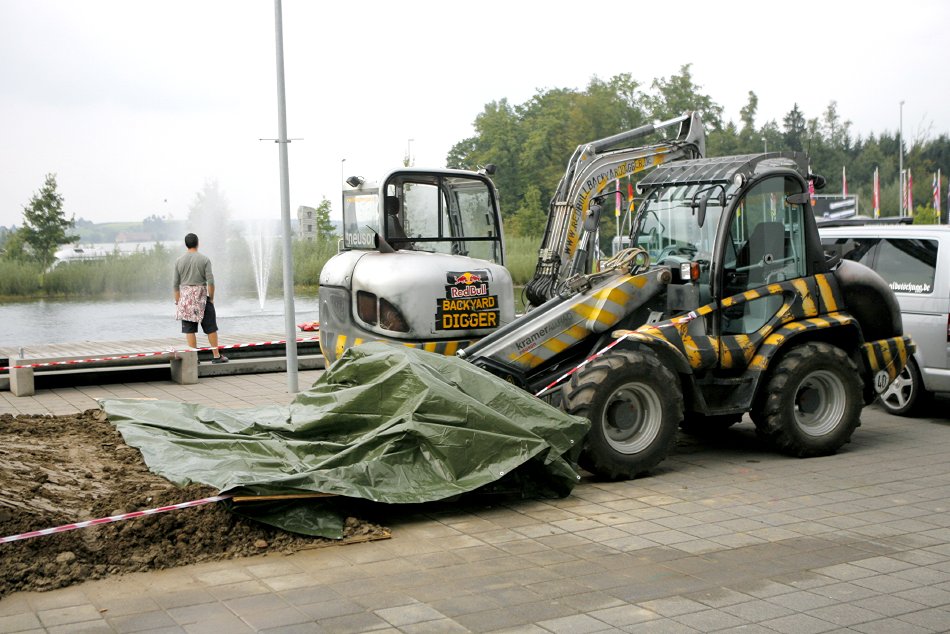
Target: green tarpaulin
x=385 y=423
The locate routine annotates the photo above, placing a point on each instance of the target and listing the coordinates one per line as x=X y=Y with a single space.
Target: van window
x=858 y=249
x=907 y=264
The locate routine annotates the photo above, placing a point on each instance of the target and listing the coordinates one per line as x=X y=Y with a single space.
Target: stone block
x=184 y=366
x=21 y=382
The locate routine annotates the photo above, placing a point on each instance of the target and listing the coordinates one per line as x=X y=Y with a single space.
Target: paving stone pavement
x=724 y=536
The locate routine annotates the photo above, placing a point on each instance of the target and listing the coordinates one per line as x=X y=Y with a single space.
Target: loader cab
x=726 y=230
x=439 y=211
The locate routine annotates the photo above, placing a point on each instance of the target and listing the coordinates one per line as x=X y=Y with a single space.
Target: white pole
x=289 y=314
x=900 y=145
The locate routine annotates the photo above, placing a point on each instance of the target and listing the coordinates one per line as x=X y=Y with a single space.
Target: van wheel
x=906 y=394
x=812 y=402
x=634 y=404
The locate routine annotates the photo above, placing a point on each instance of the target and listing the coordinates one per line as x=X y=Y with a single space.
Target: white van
x=915 y=261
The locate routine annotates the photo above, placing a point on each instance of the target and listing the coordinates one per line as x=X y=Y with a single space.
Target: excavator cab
x=421 y=263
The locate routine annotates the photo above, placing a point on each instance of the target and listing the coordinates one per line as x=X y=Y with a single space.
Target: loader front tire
x=634 y=404
x=813 y=401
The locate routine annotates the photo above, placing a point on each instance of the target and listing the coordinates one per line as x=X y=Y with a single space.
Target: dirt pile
x=56 y=470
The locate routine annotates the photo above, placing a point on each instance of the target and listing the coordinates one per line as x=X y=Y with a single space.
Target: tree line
x=531 y=142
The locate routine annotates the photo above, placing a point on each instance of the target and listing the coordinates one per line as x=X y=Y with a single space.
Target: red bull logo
x=468 y=278
x=467 y=304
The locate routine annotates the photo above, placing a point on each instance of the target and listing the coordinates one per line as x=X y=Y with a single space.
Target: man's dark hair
x=191 y=241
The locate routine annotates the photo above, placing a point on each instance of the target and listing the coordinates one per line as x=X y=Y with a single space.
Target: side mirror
x=704 y=202
x=798 y=199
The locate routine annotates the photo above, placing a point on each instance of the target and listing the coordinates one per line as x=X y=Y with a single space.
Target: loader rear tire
x=634 y=404
x=813 y=401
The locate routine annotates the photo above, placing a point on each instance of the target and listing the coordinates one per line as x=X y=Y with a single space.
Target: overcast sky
x=136 y=104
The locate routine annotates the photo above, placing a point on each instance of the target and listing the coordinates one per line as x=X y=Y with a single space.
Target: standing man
x=194 y=297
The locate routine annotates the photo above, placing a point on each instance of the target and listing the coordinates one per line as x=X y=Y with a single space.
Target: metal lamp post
x=289 y=314
x=765 y=144
x=900 y=144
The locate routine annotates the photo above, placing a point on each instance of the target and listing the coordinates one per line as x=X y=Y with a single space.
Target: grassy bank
x=142 y=274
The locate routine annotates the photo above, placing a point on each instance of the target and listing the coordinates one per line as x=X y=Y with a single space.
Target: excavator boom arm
x=591 y=168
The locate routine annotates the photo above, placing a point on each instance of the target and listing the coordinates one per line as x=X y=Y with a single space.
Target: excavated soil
x=55 y=470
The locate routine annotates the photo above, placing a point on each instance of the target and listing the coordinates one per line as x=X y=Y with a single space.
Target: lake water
x=67 y=320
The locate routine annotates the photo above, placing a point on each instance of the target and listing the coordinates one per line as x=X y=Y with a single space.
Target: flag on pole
x=910 y=193
x=877 y=193
x=629 y=192
x=811 y=192
x=936 y=191
x=618 y=200
x=844 y=181
x=937 y=197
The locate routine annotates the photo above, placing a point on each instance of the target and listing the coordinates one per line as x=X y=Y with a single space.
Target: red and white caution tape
x=581 y=365
x=75 y=361
x=46 y=364
x=261 y=343
x=112 y=518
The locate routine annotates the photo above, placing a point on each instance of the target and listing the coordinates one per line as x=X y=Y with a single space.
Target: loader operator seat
x=765 y=246
x=395 y=234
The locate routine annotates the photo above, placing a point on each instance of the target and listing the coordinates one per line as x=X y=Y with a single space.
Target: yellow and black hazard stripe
x=829 y=293
x=594 y=313
x=805 y=304
x=777 y=339
x=699 y=351
x=340 y=342
x=889 y=355
x=803 y=296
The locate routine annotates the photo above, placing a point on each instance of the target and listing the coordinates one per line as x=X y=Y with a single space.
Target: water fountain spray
x=261 y=247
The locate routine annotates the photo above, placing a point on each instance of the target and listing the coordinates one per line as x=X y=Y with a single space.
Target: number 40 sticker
x=881 y=380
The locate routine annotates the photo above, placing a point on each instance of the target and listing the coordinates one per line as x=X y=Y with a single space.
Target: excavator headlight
x=390 y=318
x=366 y=307
x=738 y=180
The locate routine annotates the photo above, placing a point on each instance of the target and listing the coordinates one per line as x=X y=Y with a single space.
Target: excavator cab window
x=360 y=218
x=443 y=214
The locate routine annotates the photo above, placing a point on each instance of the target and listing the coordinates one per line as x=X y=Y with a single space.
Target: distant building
x=306 y=223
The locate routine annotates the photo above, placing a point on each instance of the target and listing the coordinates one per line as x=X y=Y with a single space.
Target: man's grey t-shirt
x=193 y=269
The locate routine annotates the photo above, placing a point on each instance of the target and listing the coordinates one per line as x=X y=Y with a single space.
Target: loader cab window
x=443 y=214
x=764 y=245
x=667 y=226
